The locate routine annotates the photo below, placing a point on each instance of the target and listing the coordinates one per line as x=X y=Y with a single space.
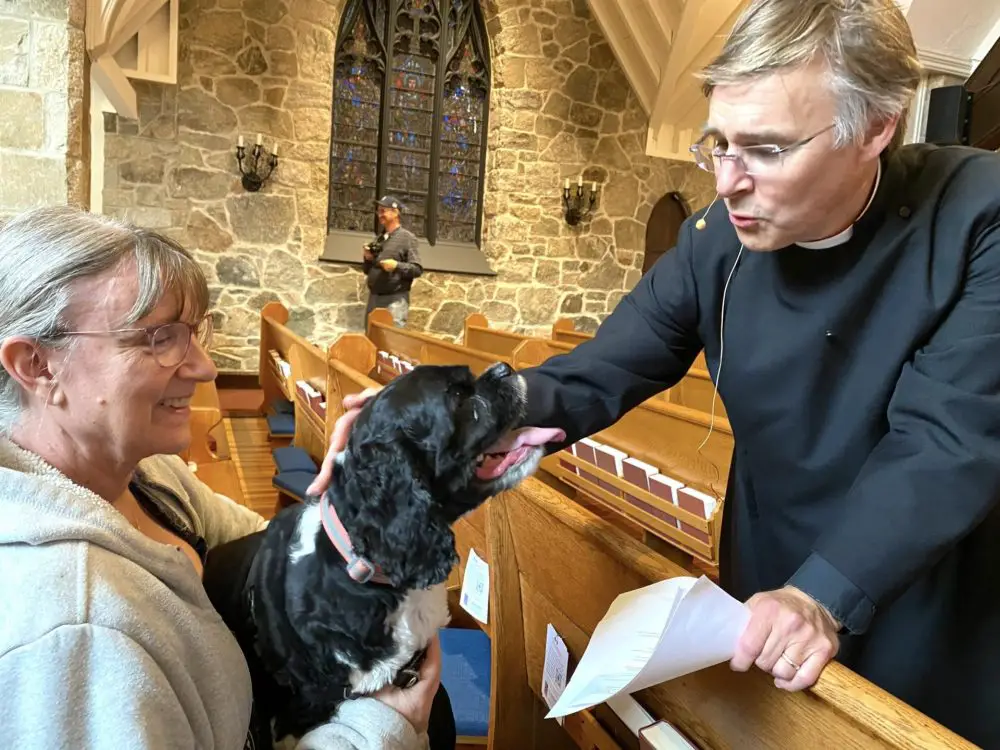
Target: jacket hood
x=40 y=505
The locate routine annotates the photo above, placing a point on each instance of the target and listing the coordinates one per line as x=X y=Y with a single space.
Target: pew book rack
x=661 y=517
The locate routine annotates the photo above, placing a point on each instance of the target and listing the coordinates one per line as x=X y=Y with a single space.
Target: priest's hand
x=338 y=440
x=790 y=636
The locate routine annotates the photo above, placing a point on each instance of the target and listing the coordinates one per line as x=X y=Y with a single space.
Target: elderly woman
x=108 y=638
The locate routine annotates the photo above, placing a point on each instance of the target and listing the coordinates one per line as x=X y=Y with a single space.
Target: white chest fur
x=419 y=617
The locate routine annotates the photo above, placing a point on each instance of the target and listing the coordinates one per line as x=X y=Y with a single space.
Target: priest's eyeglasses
x=757 y=160
x=170 y=342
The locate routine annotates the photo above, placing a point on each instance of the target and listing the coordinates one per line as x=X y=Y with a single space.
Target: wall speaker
x=948 y=116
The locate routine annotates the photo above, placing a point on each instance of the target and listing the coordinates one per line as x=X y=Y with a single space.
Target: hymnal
x=610 y=459
x=666 y=488
x=698 y=503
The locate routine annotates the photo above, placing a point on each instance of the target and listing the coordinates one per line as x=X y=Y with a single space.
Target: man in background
x=391 y=263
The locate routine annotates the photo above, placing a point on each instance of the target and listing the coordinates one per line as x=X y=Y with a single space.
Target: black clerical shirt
x=862 y=383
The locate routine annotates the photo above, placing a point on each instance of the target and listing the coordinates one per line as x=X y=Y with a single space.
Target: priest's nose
x=731 y=178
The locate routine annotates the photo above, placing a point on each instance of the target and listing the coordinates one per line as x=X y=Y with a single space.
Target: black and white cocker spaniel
x=340 y=596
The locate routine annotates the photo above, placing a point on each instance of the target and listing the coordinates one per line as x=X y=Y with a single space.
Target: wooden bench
x=351 y=353
x=349 y=361
x=695 y=390
x=564 y=330
x=478 y=335
x=554 y=562
x=210 y=450
x=208 y=436
x=416 y=348
x=275 y=338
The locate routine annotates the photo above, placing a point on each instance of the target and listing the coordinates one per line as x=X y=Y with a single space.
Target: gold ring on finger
x=791 y=663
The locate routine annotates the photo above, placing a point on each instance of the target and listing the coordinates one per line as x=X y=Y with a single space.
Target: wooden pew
x=695 y=390
x=352 y=353
x=478 y=335
x=422 y=348
x=349 y=361
x=210 y=451
x=208 y=436
x=275 y=336
x=309 y=365
x=563 y=330
x=554 y=562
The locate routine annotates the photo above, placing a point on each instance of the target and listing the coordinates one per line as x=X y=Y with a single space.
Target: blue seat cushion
x=294 y=483
x=282 y=406
x=281 y=424
x=465 y=672
x=293 y=458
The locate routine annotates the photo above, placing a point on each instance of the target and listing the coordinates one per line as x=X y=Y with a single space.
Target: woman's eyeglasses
x=170 y=342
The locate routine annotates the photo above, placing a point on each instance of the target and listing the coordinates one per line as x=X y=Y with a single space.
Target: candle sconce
x=574 y=211
x=254 y=173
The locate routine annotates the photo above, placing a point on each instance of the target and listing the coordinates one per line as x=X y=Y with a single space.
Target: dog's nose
x=500 y=370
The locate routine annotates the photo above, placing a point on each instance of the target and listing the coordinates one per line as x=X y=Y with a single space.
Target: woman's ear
x=31 y=366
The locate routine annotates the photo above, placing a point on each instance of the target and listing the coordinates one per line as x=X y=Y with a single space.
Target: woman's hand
x=414 y=703
x=338 y=440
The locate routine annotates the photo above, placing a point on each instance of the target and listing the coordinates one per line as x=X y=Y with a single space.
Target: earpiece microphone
x=701 y=223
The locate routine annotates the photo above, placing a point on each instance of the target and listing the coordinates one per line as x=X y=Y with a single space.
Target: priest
x=846 y=293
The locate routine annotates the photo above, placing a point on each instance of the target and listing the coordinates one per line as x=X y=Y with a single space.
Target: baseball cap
x=387 y=201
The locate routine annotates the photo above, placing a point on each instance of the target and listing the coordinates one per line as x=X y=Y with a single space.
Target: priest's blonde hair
x=866 y=45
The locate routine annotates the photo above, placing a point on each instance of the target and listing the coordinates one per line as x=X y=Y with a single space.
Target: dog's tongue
x=532 y=436
x=495 y=465
x=512 y=449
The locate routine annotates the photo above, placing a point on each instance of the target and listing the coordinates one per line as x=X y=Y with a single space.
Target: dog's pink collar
x=359 y=568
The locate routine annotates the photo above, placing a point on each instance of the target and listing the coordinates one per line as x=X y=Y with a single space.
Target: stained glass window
x=411 y=96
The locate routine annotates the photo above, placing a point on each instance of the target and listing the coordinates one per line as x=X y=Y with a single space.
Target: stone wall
x=560 y=107
x=42 y=118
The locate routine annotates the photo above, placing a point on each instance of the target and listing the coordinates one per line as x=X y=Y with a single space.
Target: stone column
x=42 y=92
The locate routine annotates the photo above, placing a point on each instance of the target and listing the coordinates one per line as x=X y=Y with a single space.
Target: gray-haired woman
x=107 y=638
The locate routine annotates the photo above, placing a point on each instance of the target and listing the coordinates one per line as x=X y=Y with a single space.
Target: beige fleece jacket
x=107 y=638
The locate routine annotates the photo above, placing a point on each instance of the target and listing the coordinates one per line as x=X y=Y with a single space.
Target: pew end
x=554 y=562
x=309 y=370
x=275 y=339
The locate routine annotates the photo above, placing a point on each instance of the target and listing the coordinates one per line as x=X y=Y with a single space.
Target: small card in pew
x=651 y=635
x=555 y=670
x=475 y=596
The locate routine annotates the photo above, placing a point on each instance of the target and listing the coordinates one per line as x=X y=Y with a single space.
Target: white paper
x=556 y=668
x=654 y=634
x=476 y=587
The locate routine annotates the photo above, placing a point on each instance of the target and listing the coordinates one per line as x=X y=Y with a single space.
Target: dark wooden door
x=663 y=226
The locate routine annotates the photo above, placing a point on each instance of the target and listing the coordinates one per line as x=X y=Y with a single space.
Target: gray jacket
x=107 y=638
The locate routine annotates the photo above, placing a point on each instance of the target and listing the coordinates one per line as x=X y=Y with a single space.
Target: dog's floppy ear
x=392 y=518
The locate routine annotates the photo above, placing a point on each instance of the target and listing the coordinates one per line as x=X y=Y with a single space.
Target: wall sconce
x=574 y=212
x=252 y=178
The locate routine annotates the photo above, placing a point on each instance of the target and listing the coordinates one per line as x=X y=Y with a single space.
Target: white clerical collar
x=843 y=236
